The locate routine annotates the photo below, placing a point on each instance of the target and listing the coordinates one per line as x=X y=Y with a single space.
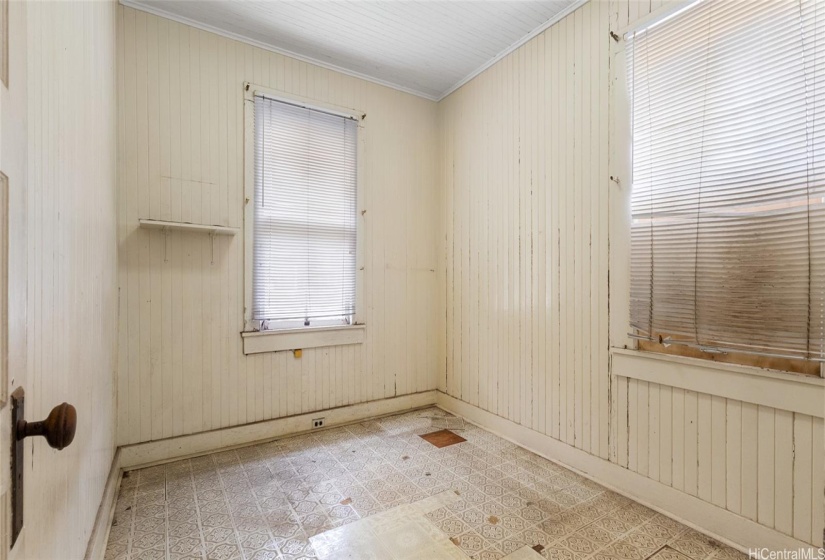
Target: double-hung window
x=728 y=179
x=304 y=214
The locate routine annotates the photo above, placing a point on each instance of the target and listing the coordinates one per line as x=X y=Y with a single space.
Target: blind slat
x=728 y=203
x=305 y=214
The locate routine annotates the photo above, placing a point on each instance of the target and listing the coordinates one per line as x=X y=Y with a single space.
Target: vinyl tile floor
x=292 y=498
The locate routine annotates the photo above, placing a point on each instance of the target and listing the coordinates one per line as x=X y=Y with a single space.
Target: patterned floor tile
x=484 y=496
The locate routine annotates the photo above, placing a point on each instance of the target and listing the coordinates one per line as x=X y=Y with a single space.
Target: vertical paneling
x=802 y=476
x=677 y=439
x=766 y=471
x=818 y=482
x=756 y=461
x=180 y=147
x=750 y=457
x=524 y=172
x=71 y=302
x=486 y=254
x=691 y=442
x=704 y=448
x=733 y=461
x=783 y=481
x=526 y=245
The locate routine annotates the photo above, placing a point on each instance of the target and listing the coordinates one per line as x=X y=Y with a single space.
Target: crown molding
x=269 y=47
x=527 y=38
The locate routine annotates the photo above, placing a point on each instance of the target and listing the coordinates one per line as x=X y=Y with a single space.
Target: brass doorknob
x=58 y=428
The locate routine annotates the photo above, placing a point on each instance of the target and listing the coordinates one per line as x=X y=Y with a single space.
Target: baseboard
x=96 y=548
x=727 y=527
x=154 y=452
x=139 y=455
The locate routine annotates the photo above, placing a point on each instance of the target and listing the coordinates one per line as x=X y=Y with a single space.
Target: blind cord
x=809 y=155
x=308 y=301
x=701 y=166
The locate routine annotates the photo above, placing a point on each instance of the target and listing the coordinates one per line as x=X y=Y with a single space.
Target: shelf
x=186 y=226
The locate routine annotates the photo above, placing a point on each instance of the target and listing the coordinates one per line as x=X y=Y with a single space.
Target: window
x=305 y=231
x=728 y=165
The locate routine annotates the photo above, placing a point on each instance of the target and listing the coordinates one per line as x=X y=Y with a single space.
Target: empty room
x=412 y=279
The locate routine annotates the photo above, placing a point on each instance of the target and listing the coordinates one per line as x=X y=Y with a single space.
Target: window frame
x=620 y=184
x=294 y=338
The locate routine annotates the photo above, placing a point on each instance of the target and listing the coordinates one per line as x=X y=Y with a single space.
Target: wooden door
x=13 y=269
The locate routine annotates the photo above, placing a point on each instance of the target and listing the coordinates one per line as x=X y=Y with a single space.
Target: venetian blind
x=728 y=203
x=305 y=215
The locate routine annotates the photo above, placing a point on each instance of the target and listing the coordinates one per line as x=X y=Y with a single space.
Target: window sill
x=787 y=391
x=294 y=339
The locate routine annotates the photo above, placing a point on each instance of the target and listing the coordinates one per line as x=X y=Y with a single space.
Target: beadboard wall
x=526 y=210
x=763 y=463
x=494 y=206
x=71 y=300
x=527 y=206
x=180 y=146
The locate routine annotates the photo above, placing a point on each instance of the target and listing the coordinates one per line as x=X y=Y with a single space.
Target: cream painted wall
x=507 y=229
x=526 y=210
x=527 y=207
x=71 y=262
x=180 y=149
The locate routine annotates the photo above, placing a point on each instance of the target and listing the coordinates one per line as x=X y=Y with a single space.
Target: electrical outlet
x=318 y=423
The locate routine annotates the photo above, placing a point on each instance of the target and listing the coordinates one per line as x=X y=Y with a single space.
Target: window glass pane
x=305 y=216
x=728 y=229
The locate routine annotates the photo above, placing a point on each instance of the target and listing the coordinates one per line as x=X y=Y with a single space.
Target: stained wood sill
x=294 y=339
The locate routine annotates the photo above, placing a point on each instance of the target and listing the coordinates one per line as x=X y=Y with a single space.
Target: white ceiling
x=424 y=47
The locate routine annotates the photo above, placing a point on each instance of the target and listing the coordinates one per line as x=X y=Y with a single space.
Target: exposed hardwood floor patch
x=443 y=438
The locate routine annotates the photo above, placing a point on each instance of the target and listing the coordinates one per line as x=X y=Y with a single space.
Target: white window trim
x=619 y=187
x=782 y=390
x=307 y=337
x=620 y=182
